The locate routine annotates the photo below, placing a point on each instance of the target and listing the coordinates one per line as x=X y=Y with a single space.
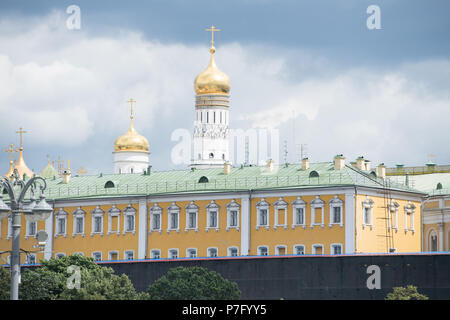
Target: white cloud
x=70 y=87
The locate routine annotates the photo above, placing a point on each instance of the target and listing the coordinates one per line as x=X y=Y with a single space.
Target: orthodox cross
x=21 y=132
x=431 y=157
x=212 y=29
x=82 y=171
x=131 y=101
x=11 y=151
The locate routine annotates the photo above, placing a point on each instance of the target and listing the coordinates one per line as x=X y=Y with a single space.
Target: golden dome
x=21 y=166
x=131 y=141
x=212 y=80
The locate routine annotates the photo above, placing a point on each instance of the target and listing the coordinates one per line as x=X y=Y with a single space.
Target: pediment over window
x=298 y=202
x=155 y=208
x=317 y=201
x=174 y=207
x=280 y=203
x=129 y=209
x=191 y=206
x=114 y=210
x=233 y=204
x=262 y=203
x=97 y=210
x=79 y=212
x=212 y=205
x=336 y=200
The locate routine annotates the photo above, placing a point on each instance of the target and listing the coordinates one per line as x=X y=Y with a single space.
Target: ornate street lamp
x=16 y=190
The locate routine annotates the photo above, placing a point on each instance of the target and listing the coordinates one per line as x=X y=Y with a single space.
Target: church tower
x=131 y=150
x=210 y=141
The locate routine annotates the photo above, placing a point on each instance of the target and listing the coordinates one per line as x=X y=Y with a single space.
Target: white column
x=350 y=222
x=441 y=236
x=142 y=232
x=48 y=249
x=245 y=225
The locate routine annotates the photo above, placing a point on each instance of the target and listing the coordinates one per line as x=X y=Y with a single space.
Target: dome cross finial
x=212 y=29
x=131 y=101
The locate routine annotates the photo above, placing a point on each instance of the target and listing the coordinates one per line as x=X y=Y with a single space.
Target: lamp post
x=16 y=189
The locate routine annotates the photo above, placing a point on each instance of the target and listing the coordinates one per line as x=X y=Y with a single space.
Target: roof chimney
x=305 y=164
x=339 y=162
x=360 y=163
x=367 y=164
x=269 y=165
x=381 y=171
x=66 y=174
x=227 y=168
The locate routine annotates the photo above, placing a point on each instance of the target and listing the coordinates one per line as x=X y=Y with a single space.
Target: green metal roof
x=427 y=182
x=239 y=179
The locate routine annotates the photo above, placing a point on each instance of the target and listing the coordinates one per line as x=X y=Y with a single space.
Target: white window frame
x=171 y=250
x=208 y=252
x=212 y=207
x=393 y=211
x=173 y=209
x=153 y=252
x=60 y=214
x=294 y=248
x=298 y=204
x=28 y=258
x=314 y=247
x=432 y=233
x=97 y=252
x=317 y=203
x=191 y=208
x=280 y=205
x=110 y=253
x=127 y=212
x=27 y=233
x=126 y=252
x=333 y=245
x=113 y=212
x=409 y=211
x=189 y=251
x=155 y=210
x=263 y=247
x=97 y=212
x=367 y=204
x=262 y=205
x=280 y=246
x=233 y=206
x=233 y=248
x=79 y=213
x=59 y=255
x=336 y=203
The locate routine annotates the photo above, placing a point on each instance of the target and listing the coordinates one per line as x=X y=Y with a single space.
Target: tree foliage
x=194 y=283
x=49 y=282
x=406 y=293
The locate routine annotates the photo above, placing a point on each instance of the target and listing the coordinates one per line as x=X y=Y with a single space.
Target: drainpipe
x=354 y=222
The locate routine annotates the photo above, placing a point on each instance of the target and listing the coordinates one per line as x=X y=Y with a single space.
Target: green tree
x=5 y=282
x=406 y=293
x=49 y=282
x=194 y=283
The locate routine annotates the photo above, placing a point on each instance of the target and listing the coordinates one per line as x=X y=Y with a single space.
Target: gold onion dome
x=131 y=141
x=212 y=80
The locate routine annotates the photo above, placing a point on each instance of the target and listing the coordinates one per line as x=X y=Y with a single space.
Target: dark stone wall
x=310 y=277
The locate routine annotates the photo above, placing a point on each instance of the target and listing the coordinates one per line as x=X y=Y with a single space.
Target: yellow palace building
x=216 y=209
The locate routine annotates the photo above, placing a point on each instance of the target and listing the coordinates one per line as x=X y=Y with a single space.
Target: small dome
x=212 y=80
x=131 y=141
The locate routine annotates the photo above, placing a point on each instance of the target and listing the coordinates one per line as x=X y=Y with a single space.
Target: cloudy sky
x=311 y=69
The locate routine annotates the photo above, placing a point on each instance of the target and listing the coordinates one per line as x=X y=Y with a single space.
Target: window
x=130 y=221
x=212 y=252
x=78 y=225
x=367 y=206
x=113 y=255
x=32 y=226
x=393 y=215
x=280 y=207
x=212 y=216
x=337 y=215
x=97 y=221
x=155 y=218
x=173 y=253
x=298 y=206
x=31 y=259
x=314 y=174
x=233 y=215
x=262 y=209
x=191 y=253
x=98 y=224
x=60 y=223
x=336 y=249
x=280 y=250
x=336 y=206
x=129 y=255
x=299 y=249
x=203 y=179
x=174 y=213
x=97 y=256
x=233 y=252
x=114 y=220
x=317 y=249
x=433 y=241
x=155 y=254
x=191 y=216
x=60 y=255
x=79 y=254
x=263 y=251
x=317 y=212
x=409 y=216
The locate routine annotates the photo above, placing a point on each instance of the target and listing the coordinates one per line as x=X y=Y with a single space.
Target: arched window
x=433 y=241
x=203 y=180
x=439 y=186
x=110 y=184
x=373 y=174
x=314 y=174
x=211 y=155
